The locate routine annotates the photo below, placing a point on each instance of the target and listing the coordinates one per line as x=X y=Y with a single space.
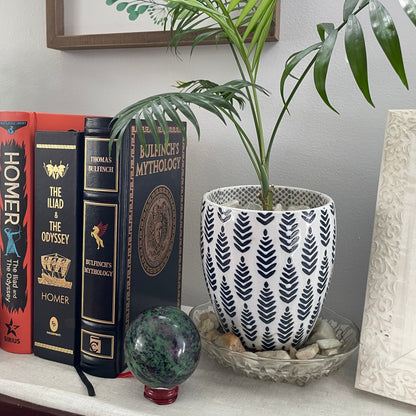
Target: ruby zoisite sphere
x=162 y=349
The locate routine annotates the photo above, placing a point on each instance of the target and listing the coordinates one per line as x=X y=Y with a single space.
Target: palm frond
x=357 y=56
x=217 y=99
x=409 y=6
x=386 y=34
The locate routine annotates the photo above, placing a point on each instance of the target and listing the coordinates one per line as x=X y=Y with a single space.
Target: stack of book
x=89 y=239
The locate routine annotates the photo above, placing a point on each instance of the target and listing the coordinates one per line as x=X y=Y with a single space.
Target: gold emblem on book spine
x=54 y=270
x=53 y=324
x=95 y=344
x=157 y=230
x=55 y=171
x=97 y=231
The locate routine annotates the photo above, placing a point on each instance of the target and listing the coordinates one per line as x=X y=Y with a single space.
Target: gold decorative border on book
x=100 y=139
x=114 y=260
x=181 y=225
x=111 y=337
x=56 y=146
x=53 y=348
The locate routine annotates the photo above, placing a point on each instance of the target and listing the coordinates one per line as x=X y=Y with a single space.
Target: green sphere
x=162 y=347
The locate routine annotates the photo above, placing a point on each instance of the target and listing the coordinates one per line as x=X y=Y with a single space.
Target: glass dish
x=293 y=371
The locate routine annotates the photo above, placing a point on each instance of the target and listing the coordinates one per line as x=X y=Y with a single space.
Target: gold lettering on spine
x=51 y=297
x=55 y=235
x=158 y=159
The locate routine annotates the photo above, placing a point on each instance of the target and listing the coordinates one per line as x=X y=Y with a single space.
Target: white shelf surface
x=211 y=390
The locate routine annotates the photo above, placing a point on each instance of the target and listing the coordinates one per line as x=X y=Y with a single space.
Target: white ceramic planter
x=267 y=273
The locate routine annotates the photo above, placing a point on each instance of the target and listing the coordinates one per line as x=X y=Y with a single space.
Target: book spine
x=16 y=222
x=57 y=245
x=132 y=251
x=156 y=213
x=102 y=298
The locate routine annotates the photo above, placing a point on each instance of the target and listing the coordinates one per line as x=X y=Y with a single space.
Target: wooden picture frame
x=387 y=354
x=56 y=38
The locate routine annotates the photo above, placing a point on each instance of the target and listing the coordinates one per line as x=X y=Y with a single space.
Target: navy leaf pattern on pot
x=289 y=232
x=242 y=233
x=237 y=333
x=325 y=228
x=248 y=323
x=266 y=257
x=220 y=315
x=309 y=253
x=264 y=217
x=224 y=214
x=334 y=233
x=266 y=305
x=208 y=225
x=323 y=275
x=210 y=276
x=227 y=300
x=298 y=338
x=308 y=216
x=288 y=285
x=314 y=315
x=267 y=273
x=222 y=252
x=243 y=281
x=305 y=301
x=267 y=341
x=201 y=233
x=285 y=326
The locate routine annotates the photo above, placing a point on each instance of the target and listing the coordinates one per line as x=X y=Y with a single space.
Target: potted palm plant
x=267 y=269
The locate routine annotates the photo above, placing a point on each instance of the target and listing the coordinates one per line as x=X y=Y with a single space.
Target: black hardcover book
x=57 y=245
x=133 y=230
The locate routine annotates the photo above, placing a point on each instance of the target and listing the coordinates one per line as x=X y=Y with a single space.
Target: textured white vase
x=267 y=272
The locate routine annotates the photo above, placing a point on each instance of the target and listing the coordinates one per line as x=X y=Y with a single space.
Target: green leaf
x=140 y=133
x=190 y=17
x=291 y=64
x=409 y=6
x=110 y=2
x=142 y=9
x=262 y=12
x=186 y=110
x=217 y=99
x=260 y=42
x=357 y=56
x=232 y=5
x=160 y=117
x=121 y=6
x=133 y=16
x=131 y=8
x=173 y=115
x=150 y=121
x=386 y=34
x=260 y=30
x=324 y=28
x=201 y=37
x=251 y=4
x=321 y=66
x=349 y=6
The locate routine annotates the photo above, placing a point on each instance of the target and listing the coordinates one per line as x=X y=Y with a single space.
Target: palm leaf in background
x=220 y=100
x=384 y=31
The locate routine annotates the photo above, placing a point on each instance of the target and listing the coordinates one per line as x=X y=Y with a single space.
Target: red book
x=17 y=134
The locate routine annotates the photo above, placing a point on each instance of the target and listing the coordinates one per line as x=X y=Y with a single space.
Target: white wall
x=337 y=154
